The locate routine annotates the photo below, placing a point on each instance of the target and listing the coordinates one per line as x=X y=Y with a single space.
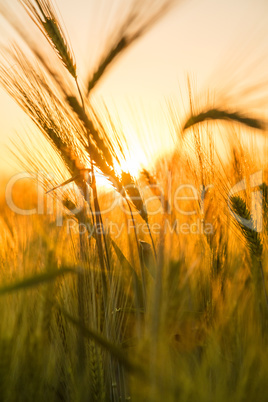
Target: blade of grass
x=115 y=350
x=36 y=280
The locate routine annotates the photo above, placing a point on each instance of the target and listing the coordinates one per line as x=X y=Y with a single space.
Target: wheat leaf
x=115 y=350
x=35 y=280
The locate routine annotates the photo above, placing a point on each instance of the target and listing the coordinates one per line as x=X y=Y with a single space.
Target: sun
x=131 y=165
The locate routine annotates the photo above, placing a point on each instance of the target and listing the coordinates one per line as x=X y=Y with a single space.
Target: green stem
x=139 y=253
x=152 y=240
x=80 y=93
x=263 y=282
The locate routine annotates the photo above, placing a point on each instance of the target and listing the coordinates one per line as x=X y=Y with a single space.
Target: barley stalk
x=251 y=236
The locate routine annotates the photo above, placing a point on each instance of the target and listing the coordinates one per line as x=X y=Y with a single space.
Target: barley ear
x=57 y=39
x=253 y=240
x=119 y=47
x=251 y=236
x=44 y=16
x=218 y=114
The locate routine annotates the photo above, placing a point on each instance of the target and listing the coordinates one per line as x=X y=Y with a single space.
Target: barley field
x=123 y=285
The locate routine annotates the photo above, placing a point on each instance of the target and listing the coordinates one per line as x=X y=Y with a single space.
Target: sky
x=198 y=38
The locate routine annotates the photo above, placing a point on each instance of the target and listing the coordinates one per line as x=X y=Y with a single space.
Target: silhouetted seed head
x=251 y=236
x=217 y=114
